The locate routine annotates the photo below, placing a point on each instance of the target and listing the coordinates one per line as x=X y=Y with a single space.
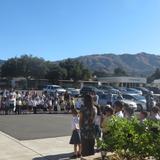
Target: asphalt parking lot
x=36 y=126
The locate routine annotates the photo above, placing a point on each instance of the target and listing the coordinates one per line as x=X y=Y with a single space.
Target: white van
x=50 y=89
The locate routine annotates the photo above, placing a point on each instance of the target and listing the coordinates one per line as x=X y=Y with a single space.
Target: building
x=23 y=83
x=156 y=83
x=109 y=81
x=123 y=81
x=4 y=83
x=68 y=83
x=77 y=84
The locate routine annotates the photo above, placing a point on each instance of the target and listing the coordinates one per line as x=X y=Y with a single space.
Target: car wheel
x=139 y=107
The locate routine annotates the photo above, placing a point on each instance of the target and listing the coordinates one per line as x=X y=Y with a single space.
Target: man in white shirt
x=12 y=102
x=118 y=106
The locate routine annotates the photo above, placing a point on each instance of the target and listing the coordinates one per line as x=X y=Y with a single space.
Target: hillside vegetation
x=140 y=64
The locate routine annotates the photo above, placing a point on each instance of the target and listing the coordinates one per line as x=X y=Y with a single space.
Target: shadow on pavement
x=65 y=156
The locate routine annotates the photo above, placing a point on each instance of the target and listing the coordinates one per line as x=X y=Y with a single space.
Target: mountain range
x=140 y=64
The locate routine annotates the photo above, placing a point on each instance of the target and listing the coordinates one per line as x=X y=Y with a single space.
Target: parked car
x=130 y=103
x=109 y=89
x=73 y=92
x=90 y=89
x=131 y=91
x=51 y=89
x=155 y=90
x=138 y=99
x=144 y=90
x=114 y=91
x=105 y=99
x=105 y=88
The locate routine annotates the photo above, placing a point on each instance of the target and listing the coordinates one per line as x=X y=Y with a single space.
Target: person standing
x=75 y=138
x=87 y=126
x=118 y=106
x=128 y=111
x=34 y=105
x=50 y=104
x=12 y=101
x=7 y=104
x=18 y=105
x=95 y=98
x=98 y=120
x=150 y=101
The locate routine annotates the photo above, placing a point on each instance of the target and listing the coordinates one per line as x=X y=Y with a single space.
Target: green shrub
x=131 y=139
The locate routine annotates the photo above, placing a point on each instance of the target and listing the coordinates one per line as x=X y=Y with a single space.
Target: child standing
x=98 y=119
x=75 y=138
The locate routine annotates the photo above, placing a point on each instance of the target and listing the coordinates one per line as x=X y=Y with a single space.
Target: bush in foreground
x=131 y=139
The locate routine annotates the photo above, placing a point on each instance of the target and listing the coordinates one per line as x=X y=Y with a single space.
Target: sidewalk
x=39 y=149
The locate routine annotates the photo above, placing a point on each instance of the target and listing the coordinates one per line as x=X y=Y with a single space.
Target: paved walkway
x=39 y=149
x=36 y=126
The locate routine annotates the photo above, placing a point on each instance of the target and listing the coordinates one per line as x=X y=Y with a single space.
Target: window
x=128 y=97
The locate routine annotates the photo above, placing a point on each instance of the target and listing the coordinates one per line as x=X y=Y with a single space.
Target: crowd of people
x=88 y=123
x=18 y=102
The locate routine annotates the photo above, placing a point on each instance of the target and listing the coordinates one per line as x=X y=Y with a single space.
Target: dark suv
x=90 y=89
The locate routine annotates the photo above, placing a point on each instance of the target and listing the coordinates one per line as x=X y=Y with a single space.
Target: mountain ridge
x=140 y=64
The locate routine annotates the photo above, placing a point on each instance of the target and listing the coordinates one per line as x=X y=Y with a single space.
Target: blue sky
x=58 y=29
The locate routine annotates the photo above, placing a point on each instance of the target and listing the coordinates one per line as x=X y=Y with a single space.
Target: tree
x=25 y=66
x=86 y=74
x=9 y=68
x=100 y=74
x=119 y=72
x=55 y=73
x=155 y=75
x=75 y=70
x=29 y=66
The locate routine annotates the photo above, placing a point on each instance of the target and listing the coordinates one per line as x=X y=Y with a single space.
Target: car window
x=117 y=97
x=56 y=87
x=139 y=97
x=51 y=87
x=114 y=97
x=127 y=97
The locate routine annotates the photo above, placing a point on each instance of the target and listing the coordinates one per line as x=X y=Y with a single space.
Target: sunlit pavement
x=39 y=149
x=35 y=137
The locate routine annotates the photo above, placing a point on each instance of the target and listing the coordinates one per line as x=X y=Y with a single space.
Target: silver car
x=138 y=99
x=105 y=99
